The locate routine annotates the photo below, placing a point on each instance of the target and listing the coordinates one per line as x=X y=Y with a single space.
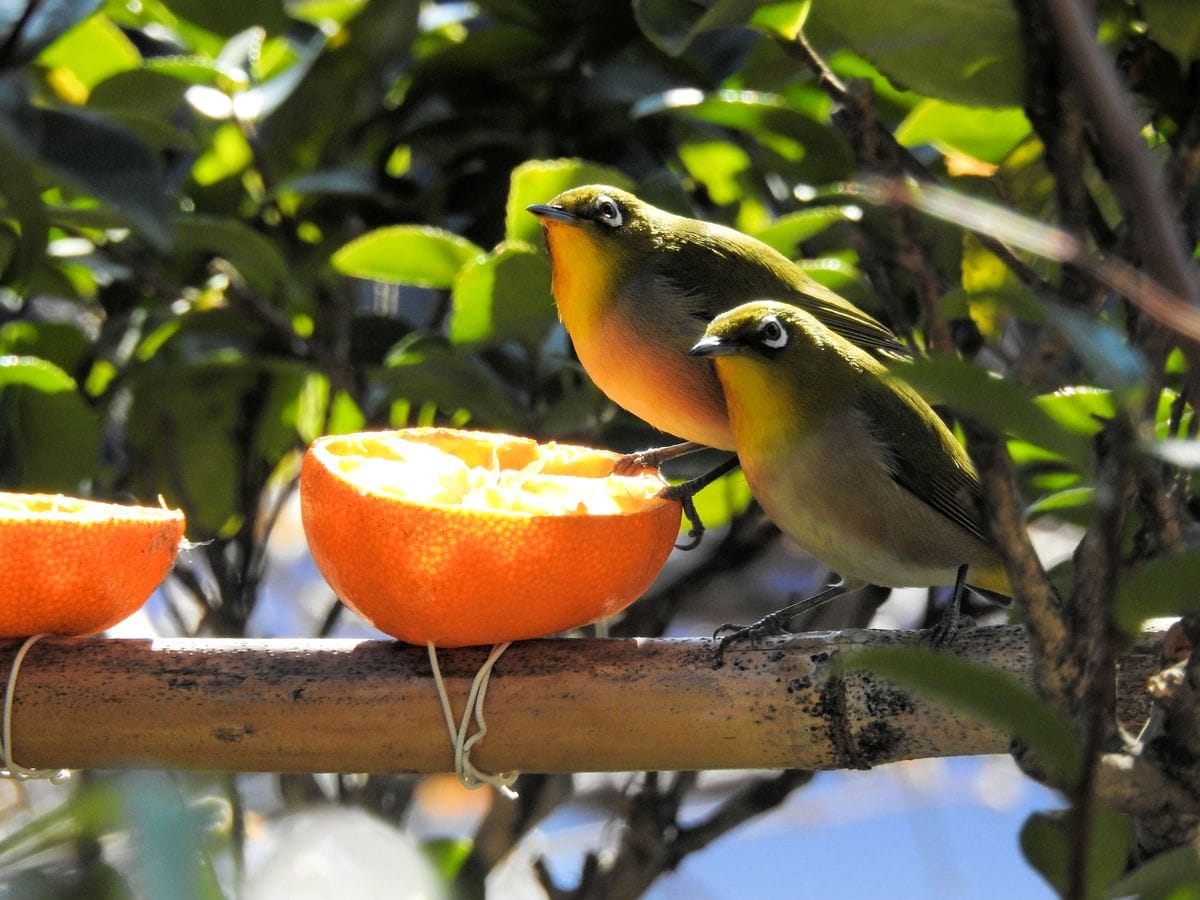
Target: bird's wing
x=923 y=459
x=847 y=320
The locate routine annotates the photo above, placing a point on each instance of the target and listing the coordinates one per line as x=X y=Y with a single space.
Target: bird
x=636 y=286
x=850 y=462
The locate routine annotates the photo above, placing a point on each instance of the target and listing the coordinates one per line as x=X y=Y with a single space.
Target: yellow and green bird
x=850 y=463
x=636 y=286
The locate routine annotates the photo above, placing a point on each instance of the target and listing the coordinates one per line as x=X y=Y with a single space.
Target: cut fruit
x=74 y=567
x=465 y=537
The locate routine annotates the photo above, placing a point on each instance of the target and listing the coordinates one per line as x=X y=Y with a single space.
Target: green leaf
x=406 y=254
x=1003 y=405
x=1082 y=409
x=19 y=200
x=143 y=91
x=1105 y=350
x=35 y=373
x=504 y=295
x=257 y=258
x=1175 y=26
x=228 y=17
x=674 y=24
x=1046 y=840
x=49 y=436
x=43 y=24
x=1173 y=875
x=93 y=155
x=426 y=370
x=540 y=180
x=966 y=53
x=90 y=812
x=92 y=51
x=188 y=439
x=817 y=153
x=985 y=134
x=1164 y=586
x=447 y=855
x=788 y=231
x=986 y=694
x=1073 y=504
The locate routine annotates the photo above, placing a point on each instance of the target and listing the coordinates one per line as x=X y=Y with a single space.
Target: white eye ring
x=772 y=333
x=608 y=212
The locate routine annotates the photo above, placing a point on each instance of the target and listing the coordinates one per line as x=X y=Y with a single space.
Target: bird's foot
x=941 y=634
x=729 y=634
x=687 y=490
x=772 y=623
x=652 y=458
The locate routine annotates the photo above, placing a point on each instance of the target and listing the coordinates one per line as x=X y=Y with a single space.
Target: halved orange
x=74 y=567
x=465 y=537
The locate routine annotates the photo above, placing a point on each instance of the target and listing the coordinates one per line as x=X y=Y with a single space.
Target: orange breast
x=648 y=374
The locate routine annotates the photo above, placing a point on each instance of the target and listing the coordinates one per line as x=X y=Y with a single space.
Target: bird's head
x=607 y=213
x=598 y=237
x=766 y=346
x=765 y=329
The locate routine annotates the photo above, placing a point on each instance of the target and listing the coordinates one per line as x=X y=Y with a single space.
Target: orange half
x=74 y=567
x=466 y=537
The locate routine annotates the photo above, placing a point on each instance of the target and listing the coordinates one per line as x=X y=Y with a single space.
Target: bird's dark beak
x=544 y=211
x=714 y=345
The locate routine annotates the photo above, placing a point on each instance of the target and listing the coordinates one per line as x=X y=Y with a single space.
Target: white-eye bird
x=851 y=463
x=636 y=286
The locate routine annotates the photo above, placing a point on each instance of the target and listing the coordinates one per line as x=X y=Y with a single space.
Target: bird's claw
x=632 y=463
x=946 y=630
x=729 y=634
x=696 y=532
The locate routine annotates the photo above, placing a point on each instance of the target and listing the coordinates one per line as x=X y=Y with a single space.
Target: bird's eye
x=772 y=333
x=608 y=212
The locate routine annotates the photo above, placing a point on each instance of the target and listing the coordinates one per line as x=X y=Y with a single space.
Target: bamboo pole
x=552 y=706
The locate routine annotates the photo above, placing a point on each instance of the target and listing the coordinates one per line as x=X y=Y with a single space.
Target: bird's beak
x=557 y=213
x=714 y=345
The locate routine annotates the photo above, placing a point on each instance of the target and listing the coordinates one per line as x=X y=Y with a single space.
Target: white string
x=12 y=769
x=469 y=776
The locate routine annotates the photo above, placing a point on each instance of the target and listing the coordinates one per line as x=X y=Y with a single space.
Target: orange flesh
x=460 y=537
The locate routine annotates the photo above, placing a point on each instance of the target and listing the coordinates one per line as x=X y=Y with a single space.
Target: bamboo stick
x=552 y=706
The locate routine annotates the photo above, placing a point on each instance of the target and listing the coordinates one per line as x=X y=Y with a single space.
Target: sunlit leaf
x=35 y=373
x=967 y=53
x=539 y=181
x=786 y=232
x=1001 y=404
x=407 y=254
x=1073 y=504
x=985 y=134
x=93 y=50
x=41 y=25
x=818 y=152
x=49 y=436
x=93 y=155
x=504 y=295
